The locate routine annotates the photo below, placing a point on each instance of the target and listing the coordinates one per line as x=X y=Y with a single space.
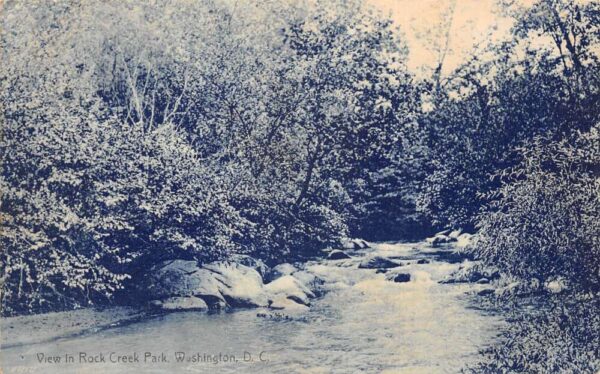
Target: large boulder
x=309 y=280
x=209 y=289
x=291 y=288
x=280 y=271
x=250 y=262
x=336 y=254
x=218 y=284
x=181 y=303
x=240 y=285
x=173 y=278
x=378 y=262
x=280 y=302
x=182 y=278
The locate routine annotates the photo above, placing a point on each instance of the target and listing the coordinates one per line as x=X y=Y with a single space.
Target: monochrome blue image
x=300 y=186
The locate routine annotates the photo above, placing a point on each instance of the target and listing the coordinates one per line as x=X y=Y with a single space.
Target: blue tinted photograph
x=300 y=186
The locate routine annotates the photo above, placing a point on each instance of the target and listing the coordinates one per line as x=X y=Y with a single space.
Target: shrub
x=545 y=219
x=560 y=336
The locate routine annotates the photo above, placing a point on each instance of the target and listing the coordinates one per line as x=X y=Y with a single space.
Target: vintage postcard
x=299 y=186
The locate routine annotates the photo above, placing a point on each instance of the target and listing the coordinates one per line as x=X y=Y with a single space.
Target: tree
x=500 y=100
x=543 y=222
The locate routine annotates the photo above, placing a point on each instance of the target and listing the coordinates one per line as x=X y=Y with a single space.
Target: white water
x=364 y=323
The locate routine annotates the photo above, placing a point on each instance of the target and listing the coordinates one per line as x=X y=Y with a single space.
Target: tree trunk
x=312 y=163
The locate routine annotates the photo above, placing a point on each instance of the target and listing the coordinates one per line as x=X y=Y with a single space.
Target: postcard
x=300 y=186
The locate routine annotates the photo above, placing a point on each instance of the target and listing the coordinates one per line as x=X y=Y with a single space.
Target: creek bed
x=362 y=323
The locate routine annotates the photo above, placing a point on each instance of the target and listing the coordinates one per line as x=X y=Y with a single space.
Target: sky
x=474 y=21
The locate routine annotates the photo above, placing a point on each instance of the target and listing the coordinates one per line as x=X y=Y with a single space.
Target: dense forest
x=137 y=132
x=134 y=132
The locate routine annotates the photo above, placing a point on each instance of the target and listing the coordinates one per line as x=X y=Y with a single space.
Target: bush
x=545 y=220
x=561 y=336
x=136 y=132
x=124 y=202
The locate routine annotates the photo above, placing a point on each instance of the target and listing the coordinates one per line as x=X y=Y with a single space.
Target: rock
x=472 y=272
x=291 y=288
x=398 y=277
x=251 y=262
x=217 y=284
x=445 y=237
x=475 y=274
x=336 y=254
x=240 y=285
x=182 y=278
x=182 y=303
x=486 y=292
x=309 y=280
x=483 y=281
x=422 y=261
x=349 y=243
x=455 y=234
x=281 y=302
x=173 y=278
x=378 y=262
x=381 y=271
x=279 y=271
x=208 y=288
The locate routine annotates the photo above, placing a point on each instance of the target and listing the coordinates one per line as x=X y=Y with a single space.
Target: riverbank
x=367 y=317
x=545 y=333
x=388 y=307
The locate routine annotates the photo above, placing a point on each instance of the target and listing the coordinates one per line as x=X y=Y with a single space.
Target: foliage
x=561 y=336
x=500 y=100
x=544 y=220
x=135 y=132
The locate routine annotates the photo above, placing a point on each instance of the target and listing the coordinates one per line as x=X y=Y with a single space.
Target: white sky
x=474 y=21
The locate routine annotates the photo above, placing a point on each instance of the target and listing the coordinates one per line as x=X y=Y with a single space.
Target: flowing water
x=363 y=323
